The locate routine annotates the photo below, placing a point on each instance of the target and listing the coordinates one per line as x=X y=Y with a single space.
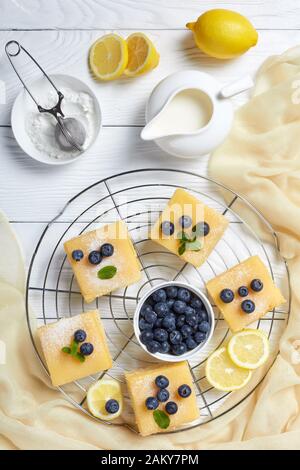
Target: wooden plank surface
x=123 y=101
x=59 y=33
x=136 y=14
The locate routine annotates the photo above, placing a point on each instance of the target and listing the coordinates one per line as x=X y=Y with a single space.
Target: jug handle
x=236 y=87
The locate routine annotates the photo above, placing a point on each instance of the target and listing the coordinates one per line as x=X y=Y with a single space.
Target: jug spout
x=151 y=131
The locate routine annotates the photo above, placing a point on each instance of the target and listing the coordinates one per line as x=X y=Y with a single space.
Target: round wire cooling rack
x=138 y=197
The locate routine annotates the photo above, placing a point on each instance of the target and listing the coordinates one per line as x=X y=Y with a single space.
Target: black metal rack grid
x=63 y=285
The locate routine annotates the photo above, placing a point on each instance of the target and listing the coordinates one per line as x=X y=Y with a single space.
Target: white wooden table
x=59 y=33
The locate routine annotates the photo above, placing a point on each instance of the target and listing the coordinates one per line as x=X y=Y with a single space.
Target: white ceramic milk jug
x=189 y=114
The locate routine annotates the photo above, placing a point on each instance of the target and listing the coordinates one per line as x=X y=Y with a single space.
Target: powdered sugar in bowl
x=35 y=132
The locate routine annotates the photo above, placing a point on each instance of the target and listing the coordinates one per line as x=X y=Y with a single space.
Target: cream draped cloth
x=261 y=160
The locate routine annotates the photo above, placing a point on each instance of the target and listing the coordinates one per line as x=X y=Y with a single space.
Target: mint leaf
x=183 y=236
x=66 y=350
x=181 y=248
x=195 y=245
x=74 y=347
x=107 y=272
x=80 y=357
x=161 y=418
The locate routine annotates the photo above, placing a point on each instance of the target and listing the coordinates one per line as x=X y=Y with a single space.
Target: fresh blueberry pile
x=86 y=349
x=247 y=305
x=95 y=257
x=162 y=382
x=173 y=320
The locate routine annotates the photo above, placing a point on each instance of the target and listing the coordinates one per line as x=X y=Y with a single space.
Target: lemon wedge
x=98 y=396
x=142 y=55
x=108 y=57
x=223 y=374
x=249 y=349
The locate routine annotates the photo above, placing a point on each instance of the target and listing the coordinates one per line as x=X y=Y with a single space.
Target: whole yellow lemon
x=223 y=34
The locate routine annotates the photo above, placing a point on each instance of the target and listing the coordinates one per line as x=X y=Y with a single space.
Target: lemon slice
x=223 y=374
x=249 y=349
x=108 y=57
x=142 y=55
x=99 y=394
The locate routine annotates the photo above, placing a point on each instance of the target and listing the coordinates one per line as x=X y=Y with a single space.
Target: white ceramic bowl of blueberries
x=174 y=321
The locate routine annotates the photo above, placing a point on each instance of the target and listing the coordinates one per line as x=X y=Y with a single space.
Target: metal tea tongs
x=69 y=132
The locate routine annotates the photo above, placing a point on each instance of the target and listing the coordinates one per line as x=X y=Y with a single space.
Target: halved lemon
x=249 y=349
x=98 y=396
x=108 y=57
x=223 y=374
x=142 y=55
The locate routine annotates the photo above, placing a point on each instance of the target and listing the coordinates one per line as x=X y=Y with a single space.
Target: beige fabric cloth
x=260 y=159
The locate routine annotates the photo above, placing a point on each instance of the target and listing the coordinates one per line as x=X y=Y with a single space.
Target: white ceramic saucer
x=24 y=105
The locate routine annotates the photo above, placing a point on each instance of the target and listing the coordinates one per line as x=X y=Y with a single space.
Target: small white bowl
x=24 y=104
x=170 y=357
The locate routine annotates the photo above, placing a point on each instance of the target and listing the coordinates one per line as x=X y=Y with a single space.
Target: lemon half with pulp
x=249 y=349
x=223 y=374
x=99 y=394
x=142 y=55
x=108 y=57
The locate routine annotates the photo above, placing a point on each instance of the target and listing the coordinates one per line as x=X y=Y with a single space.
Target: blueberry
x=80 y=336
x=159 y=296
x=256 y=285
x=150 y=317
x=191 y=319
x=158 y=323
x=184 y=391
x=170 y=303
x=248 y=306
x=112 y=406
x=201 y=229
x=179 y=349
x=86 y=349
x=175 y=337
x=145 y=308
x=179 y=306
x=171 y=292
x=227 y=296
x=163 y=395
x=162 y=381
x=77 y=255
x=180 y=321
x=152 y=403
x=199 y=337
x=95 y=257
x=186 y=331
x=143 y=325
x=161 y=308
x=185 y=221
x=204 y=327
x=196 y=303
x=184 y=295
x=153 y=346
x=243 y=291
x=189 y=310
x=169 y=322
x=164 y=347
x=159 y=334
x=146 y=336
x=167 y=227
x=202 y=315
x=107 y=250
x=171 y=408
x=190 y=343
